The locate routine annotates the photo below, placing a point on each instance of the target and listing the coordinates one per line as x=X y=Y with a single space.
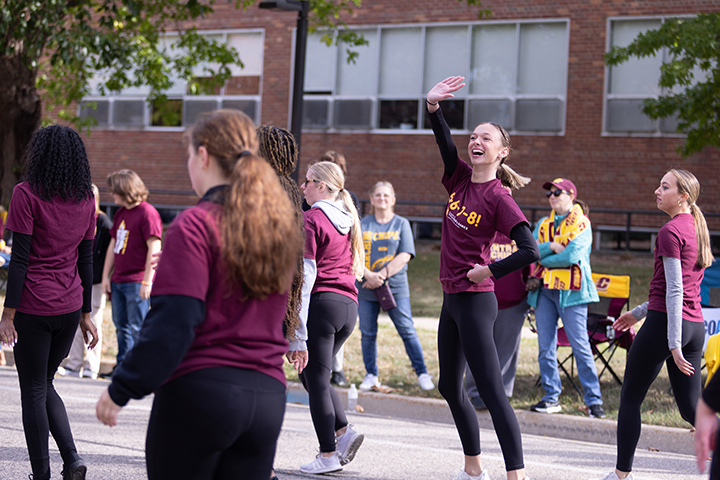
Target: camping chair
x=614 y=293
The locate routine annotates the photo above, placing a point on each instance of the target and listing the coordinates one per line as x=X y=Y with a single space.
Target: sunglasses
x=556 y=193
x=309 y=180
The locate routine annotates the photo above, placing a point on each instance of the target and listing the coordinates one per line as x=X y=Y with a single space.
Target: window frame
x=608 y=97
x=419 y=129
x=148 y=108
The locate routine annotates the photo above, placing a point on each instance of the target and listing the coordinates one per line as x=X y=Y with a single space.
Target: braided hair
x=57 y=165
x=278 y=147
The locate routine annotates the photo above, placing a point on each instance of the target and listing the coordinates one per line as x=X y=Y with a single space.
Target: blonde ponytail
x=356 y=244
x=332 y=175
x=510 y=178
x=705 y=256
x=688 y=183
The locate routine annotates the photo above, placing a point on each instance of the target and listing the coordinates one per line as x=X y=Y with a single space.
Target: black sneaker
x=338 y=378
x=596 y=411
x=546 y=407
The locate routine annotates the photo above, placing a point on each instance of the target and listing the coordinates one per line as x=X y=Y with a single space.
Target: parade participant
x=212 y=348
x=128 y=270
x=334 y=259
x=477 y=209
x=49 y=289
x=674 y=331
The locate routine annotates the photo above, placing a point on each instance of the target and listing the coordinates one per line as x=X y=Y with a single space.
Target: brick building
x=535 y=66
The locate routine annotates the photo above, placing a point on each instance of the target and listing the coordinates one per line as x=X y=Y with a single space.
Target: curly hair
x=57 y=164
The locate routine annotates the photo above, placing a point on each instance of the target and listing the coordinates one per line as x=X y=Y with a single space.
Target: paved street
x=394 y=449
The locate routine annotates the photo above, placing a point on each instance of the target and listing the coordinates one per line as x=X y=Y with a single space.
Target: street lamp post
x=296 y=118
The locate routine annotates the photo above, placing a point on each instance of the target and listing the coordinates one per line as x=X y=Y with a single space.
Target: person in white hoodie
x=334 y=258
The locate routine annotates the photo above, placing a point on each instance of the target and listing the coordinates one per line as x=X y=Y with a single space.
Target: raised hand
x=445 y=89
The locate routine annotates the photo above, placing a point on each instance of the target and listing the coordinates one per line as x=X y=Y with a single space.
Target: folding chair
x=614 y=293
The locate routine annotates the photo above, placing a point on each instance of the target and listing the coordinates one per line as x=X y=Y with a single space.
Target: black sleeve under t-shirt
x=448 y=151
x=160 y=349
x=17 y=270
x=526 y=253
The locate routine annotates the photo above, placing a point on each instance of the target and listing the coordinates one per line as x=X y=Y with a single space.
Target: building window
x=634 y=81
x=186 y=100
x=516 y=75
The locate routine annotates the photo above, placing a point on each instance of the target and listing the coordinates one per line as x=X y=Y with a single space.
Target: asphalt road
x=394 y=448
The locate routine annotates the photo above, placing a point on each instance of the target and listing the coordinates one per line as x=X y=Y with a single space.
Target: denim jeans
x=575 y=323
x=401 y=316
x=128 y=313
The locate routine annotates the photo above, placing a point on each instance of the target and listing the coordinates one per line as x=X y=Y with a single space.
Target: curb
x=569 y=427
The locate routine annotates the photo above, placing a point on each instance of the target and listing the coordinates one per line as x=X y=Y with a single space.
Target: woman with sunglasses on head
x=565 y=241
x=212 y=346
x=478 y=207
x=334 y=259
x=674 y=331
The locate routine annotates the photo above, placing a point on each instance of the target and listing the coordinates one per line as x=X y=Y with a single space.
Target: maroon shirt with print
x=52 y=285
x=131 y=229
x=237 y=331
x=474 y=213
x=676 y=239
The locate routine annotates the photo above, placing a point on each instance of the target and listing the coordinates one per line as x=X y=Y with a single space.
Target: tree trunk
x=22 y=111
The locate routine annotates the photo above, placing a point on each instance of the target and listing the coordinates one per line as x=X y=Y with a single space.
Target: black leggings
x=331 y=320
x=645 y=360
x=465 y=332
x=216 y=423
x=43 y=342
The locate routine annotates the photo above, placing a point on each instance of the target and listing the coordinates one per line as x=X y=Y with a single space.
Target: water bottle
x=352 y=398
x=610 y=330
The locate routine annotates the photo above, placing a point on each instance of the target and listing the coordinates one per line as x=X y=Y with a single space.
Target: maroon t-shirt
x=510 y=289
x=332 y=254
x=676 y=239
x=52 y=285
x=131 y=229
x=237 y=331
x=474 y=213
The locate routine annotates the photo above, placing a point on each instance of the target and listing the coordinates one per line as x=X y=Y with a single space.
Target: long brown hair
x=687 y=183
x=260 y=235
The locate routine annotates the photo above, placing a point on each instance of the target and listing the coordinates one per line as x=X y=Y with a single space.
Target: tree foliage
x=693 y=45
x=51 y=51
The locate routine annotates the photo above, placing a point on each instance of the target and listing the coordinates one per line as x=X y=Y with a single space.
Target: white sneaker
x=369 y=382
x=322 y=464
x=463 y=475
x=425 y=381
x=348 y=444
x=613 y=476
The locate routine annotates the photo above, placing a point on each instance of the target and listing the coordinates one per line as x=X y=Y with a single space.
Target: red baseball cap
x=562 y=184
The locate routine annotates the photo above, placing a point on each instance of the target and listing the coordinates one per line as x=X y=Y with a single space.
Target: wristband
x=147 y=284
x=430 y=103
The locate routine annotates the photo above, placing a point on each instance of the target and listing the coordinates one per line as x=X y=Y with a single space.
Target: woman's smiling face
x=485 y=145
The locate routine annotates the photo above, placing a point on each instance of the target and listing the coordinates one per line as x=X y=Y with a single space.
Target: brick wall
x=610 y=172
